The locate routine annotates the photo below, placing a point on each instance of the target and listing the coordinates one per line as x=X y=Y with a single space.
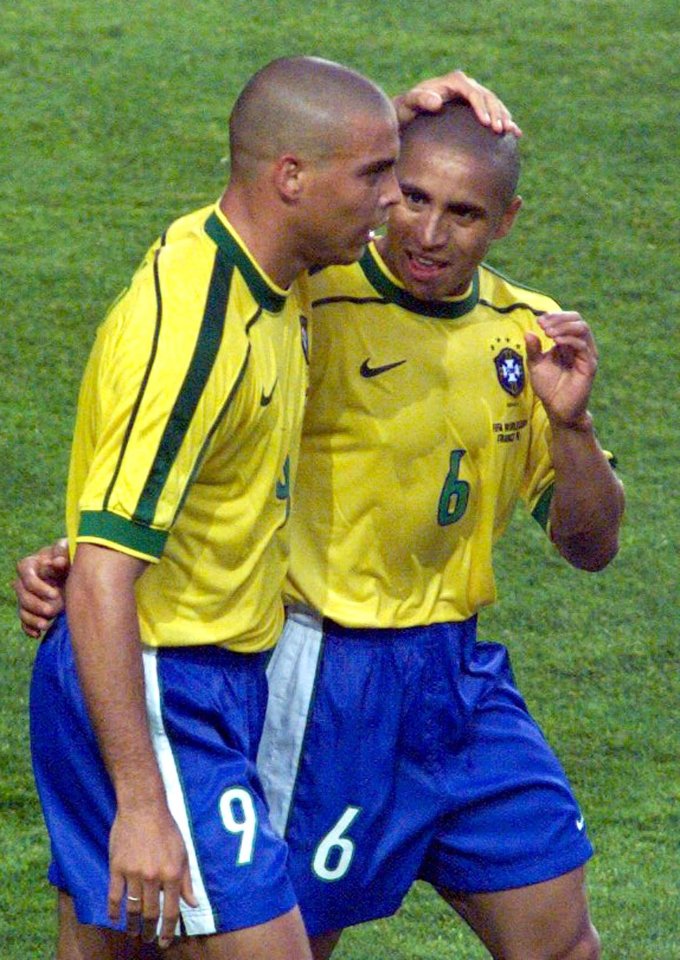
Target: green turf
x=114 y=121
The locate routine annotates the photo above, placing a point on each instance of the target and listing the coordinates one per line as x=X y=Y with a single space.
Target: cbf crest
x=510 y=371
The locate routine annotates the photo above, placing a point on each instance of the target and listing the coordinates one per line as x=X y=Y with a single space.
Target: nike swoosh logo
x=580 y=823
x=367 y=371
x=266 y=398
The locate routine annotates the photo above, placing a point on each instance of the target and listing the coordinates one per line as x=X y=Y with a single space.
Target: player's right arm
x=39 y=587
x=146 y=851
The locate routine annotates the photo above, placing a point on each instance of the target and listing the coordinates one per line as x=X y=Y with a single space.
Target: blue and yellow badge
x=510 y=371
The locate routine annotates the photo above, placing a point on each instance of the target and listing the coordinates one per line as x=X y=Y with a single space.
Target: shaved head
x=456 y=127
x=302 y=106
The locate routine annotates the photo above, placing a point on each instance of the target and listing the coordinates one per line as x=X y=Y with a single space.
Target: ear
x=508 y=218
x=288 y=177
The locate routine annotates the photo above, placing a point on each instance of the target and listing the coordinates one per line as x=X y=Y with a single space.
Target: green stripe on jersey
x=541 y=512
x=115 y=529
x=211 y=432
x=145 y=378
x=267 y=298
x=444 y=309
x=200 y=368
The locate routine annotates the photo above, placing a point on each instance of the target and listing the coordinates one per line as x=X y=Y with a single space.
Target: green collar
x=267 y=297
x=444 y=309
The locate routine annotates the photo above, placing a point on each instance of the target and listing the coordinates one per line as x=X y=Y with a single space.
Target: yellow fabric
x=410 y=472
x=187 y=436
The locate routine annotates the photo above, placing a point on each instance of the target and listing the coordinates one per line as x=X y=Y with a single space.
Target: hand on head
x=429 y=95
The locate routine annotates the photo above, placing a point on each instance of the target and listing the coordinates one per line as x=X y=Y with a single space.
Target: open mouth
x=424 y=268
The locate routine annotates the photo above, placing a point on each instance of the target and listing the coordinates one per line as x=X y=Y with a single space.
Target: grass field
x=114 y=121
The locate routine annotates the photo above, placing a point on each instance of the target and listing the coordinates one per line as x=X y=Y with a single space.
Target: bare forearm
x=588 y=501
x=103 y=622
x=147 y=854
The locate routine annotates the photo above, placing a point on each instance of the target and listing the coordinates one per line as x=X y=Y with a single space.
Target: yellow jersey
x=187 y=436
x=421 y=432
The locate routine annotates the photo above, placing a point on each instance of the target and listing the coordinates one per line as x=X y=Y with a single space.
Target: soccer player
x=396 y=746
x=419 y=758
x=146 y=709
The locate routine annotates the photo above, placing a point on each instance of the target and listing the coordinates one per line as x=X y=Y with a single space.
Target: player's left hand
x=429 y=95
x=563 y=375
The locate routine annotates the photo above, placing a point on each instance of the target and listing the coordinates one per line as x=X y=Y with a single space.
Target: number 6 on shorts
x=334 y=847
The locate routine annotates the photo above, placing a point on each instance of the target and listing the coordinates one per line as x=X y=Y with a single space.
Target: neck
x=265 y=234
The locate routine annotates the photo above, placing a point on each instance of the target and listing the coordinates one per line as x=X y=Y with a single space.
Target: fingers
x=489 y=109
x=145 y=906
x=34 y=580
x=35 y=611
x=533 y=345
x=172 y=892
x=60 y=548
x=429 y=95
x=38 y=587
x=187 y=890
x=38 y=602
x=116 y=890
x=152 y=908
x=170 y=915
x=571 y=334
x=146 y=913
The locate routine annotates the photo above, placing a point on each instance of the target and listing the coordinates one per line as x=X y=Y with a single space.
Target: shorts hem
x=195 y=923
x=366 y=916
x=512 y=879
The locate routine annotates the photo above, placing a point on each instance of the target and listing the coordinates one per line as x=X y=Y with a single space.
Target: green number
x=283 y=486
x=453 y=500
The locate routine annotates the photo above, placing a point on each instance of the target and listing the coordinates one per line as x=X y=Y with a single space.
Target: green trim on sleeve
x=541 y=512
x=115 y=529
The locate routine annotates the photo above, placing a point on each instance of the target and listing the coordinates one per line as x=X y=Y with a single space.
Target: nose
x=391 y=193
x=432 y=231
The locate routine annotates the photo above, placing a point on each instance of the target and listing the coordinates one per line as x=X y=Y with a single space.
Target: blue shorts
x=206 y=709
x=394 y=755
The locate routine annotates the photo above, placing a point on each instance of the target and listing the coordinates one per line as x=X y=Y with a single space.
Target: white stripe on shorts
x=291 y=675
x=197 y=920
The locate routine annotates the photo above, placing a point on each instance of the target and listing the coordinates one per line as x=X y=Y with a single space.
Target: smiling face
x=455 y=203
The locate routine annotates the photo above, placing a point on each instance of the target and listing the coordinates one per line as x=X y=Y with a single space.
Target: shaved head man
x=313 y=146
x=184 y=451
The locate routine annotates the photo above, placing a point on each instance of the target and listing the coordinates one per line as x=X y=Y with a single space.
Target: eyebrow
x=457 y=206
x=378 y=166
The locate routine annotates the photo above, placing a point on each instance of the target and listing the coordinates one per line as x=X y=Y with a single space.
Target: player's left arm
x=588 y=501
x=428 y=96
